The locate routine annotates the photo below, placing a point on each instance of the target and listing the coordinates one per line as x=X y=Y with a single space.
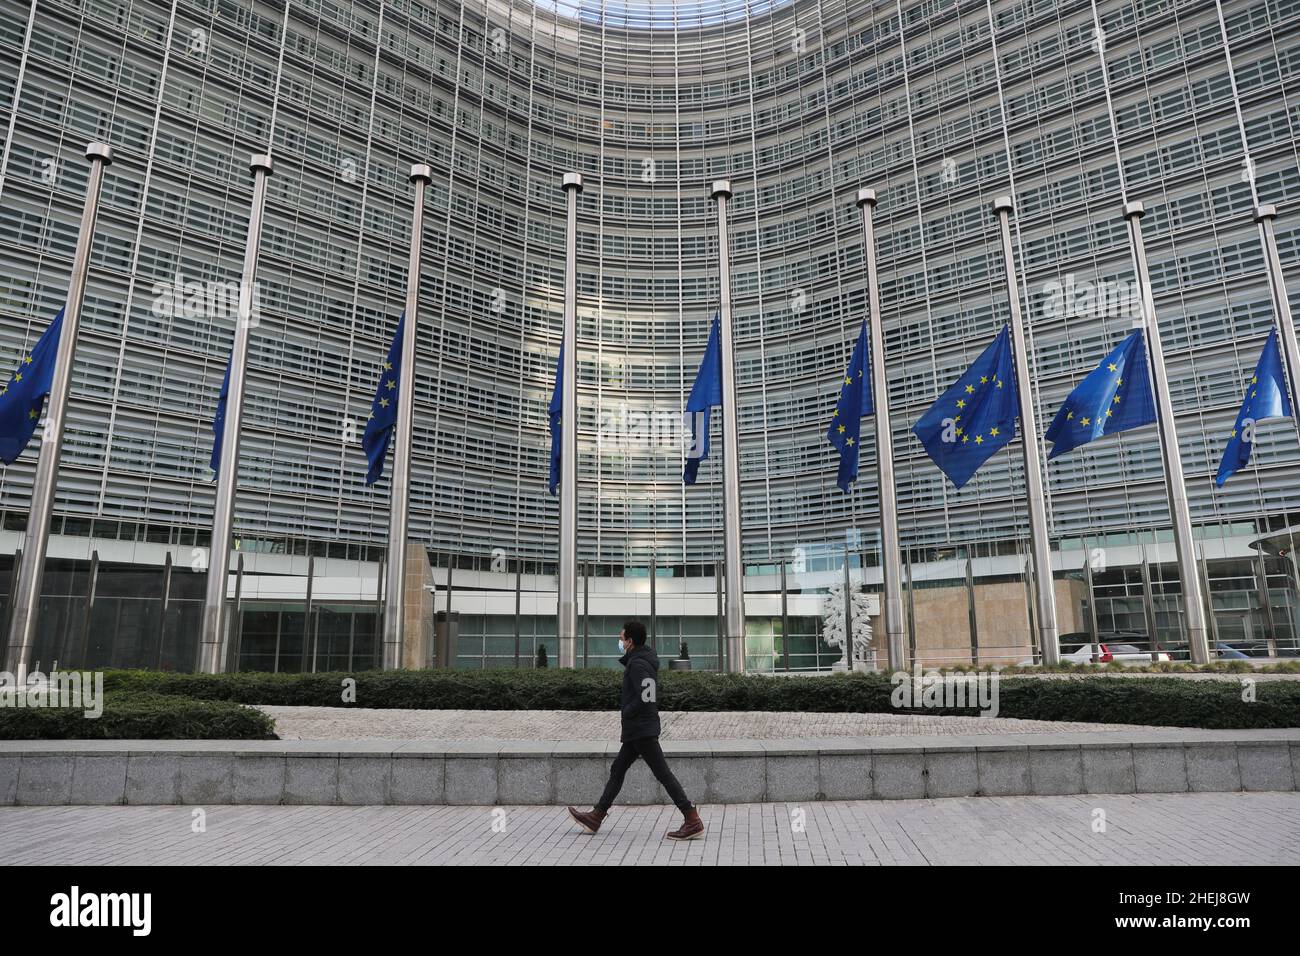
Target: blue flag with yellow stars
x=555 y=410
x=845 y=431
x=1266 y=397
x=1115 y=397
x=23 y=397
x=976 y=416
x=705 y=393
x=383 y=410
x=219 y=422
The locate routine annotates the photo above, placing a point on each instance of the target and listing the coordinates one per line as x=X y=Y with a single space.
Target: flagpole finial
x=421 y=173
x=1002 y=204
x=260 y=162
x=1135 y=209
x=721 y=187
x=866 y=197
x=1264 y=211
x=572 y=181
x=100 y=151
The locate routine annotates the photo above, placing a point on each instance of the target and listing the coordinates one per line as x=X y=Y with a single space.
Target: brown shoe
x=589 y=821
x=692 y=827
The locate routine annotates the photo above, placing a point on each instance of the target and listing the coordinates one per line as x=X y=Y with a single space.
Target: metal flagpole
x=654 y=617
x=379 y=619
x=1179 y=509
x=519 y=589
x=1211 y=622
x=735 y=584
x=718 y=617
x=890 y=564
x=1293 y=561
x=972 y=618
x=307 y=651
x=1039 y=544
x=1149 y=604
x=399 y=507
x=234 y=648
x=13 y=588
x=451 y=566
x=1265 y=602
x=27 y=592
x=785 y=620
x=1264 y=215
x=911 y=609
x=89 y=612
x=567 y=602
x=211 y=657
x=166 y=605
x=848 y=612
x=1034 y=648
x=1093 y=624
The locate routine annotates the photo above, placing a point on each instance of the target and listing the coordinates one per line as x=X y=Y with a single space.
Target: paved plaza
x=1176 y=829
x=337 y=723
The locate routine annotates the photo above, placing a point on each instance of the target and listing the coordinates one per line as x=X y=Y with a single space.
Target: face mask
x=621 y=648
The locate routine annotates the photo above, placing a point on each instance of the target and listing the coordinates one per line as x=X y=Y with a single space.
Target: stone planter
x=679 y=664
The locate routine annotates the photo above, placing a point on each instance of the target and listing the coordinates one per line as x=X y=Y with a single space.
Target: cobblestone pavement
x=335 y=723
x=1203 y=828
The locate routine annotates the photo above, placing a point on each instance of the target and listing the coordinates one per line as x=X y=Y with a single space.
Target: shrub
x=139 y=716
x=1161 y=701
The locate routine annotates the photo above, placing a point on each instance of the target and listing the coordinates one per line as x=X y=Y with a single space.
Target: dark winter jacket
x=640 y=694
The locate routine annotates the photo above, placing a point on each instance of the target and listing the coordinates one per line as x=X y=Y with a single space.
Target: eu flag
x=845 y=431
x=1114 y=397
x=705 y=393
x=1266 y=397
x=219 y=422
x=383 y=410
x=555 y=410
x=976 y=416
x=23 y=396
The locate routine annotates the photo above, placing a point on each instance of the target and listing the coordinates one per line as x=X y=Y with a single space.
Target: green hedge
x=139 y=716
x=1171 y=702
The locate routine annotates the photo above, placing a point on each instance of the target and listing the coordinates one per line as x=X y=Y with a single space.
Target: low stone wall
x=480 y=773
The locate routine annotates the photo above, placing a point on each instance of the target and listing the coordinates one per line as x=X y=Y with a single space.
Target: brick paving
x=336 y=723
x=1176 y=829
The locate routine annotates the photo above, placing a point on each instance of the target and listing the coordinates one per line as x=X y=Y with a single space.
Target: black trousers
x=648 y=749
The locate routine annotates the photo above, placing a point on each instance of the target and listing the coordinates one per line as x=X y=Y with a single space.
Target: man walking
x=640 y=712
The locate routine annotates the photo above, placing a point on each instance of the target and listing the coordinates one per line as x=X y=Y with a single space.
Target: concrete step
x=528 y=772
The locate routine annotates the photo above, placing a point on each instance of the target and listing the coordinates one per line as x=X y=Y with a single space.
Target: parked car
x=1253 y=648
x=1127 y=647
x=1120 y=646
x=1130 y=654
x=1236 y=651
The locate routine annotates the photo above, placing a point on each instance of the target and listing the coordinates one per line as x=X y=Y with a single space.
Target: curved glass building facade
x=1192 y=107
